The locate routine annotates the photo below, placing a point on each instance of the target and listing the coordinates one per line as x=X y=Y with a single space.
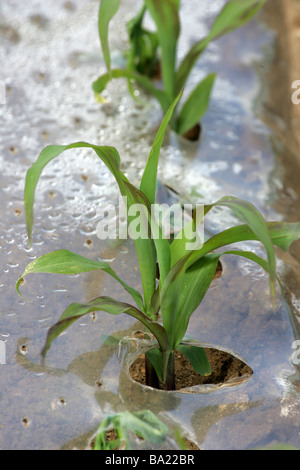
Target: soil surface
x=225 y=368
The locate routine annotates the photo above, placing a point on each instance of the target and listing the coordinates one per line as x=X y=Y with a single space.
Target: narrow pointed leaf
x=111 y=158
x=148 y=187
x=145 y=424
x=142 y=56
x=234 y=14
x=182 y=292
x=196 y=105
x=181 y=245
x=197 y=357
x=100 y=84
x=256 y=259
x=65 y=262
x=194 y=285
x=282 y=234
x=165 y=14
x=105 y=304
x=107 y=10
x=248 y=214
x=149 y=179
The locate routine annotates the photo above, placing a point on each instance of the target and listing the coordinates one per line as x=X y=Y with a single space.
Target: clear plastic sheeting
x=50 y=54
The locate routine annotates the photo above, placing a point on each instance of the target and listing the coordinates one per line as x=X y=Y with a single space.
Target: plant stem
x=152 y=379
x=170 y=380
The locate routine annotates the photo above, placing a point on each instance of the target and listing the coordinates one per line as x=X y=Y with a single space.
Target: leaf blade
x=149 y=178
x=76 y=311
x=100 y=84
x=110 y=157
x=107 y=10
x=197 y=357
x=65 y=262
x=182 y=292
x=248 y=213
x=232 y=16
x=165 y=14
x=196 y=105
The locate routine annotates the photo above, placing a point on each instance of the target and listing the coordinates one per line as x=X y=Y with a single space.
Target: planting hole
x=219 y=270
x=25 y=422
x=98 y=384
x=226 y=369
x=193 y=134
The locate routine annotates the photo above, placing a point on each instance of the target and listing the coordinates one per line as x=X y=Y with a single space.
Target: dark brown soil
x=194 y=133
x=225 y=367
x=219 y=270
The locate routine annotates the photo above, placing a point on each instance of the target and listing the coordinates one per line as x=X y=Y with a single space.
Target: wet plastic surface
x=50 y=54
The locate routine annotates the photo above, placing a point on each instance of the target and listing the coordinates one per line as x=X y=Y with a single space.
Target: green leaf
x=65 y=262
x=155 y=357
x=101 y=443
x=283 y=234
x=249 y=255
x=76 y=311
x=165 y=14
x=197 y=357
x=109 y=156
x=234 y=14
x=148 y=187
x=160 y=360
x=196 y=105
x=248 y=214
x=180 y=246
x=100 y=84
x=182 y=292
x=142 y=55
x=149 y=179
x=107 y=10
x=145 y=424
x=145 y=245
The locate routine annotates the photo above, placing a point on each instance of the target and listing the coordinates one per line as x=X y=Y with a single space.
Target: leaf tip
x=18 y=284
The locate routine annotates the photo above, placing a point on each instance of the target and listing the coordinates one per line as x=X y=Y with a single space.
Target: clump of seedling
x=167 y=301
x=121 y=426
x=152 y=51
